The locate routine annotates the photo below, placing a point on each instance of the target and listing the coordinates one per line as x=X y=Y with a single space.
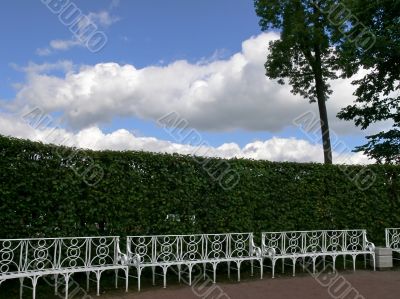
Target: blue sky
x=150 y=35
x=146 y=33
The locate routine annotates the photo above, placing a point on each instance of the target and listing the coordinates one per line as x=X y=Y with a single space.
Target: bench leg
x=354 y=262
x=204 y=270
x=215 y=271
x=294 y=266
x=179 y=273
x=87 y=281
x=373 y=260
x=238 y=263
x=55 y=284
x=323 y=260
x=365 y=261
x=153 y=269
x=34 y=283
x=334 y=263
x=139 y=273
x=283 y=266
x=190 y=274
x=21 y=287
x=229 y=270
x=304 y=263
x=313 y=261
x=116 y=278
x=98 y=276
x=261 y=268
x=344 y=262
x=126 y=279
x=66 y=278
x=252 y=268
x=165 y=269
x=273 y=268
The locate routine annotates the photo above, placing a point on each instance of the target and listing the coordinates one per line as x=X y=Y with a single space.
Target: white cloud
x=34 y=69
x=101 y=19
x=43 y=51
x=217 y=95
x=59 y=44
x=274 y=149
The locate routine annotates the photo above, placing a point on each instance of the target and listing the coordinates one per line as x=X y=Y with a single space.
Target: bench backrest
x=300 y=242
x=392 y=236
x=88 y=252
x=35 y=254
x=241 y=245
x=11 y=253
x=173 y=248
x=21 y=255
x=355 y=240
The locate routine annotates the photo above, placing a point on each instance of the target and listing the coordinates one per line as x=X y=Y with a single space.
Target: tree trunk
x=326 y=140
x=323 y=115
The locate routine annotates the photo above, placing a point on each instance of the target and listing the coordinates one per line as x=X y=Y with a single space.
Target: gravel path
x=346 y=285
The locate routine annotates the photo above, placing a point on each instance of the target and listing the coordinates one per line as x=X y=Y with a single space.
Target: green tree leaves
x=378 y=92
x=304 y=55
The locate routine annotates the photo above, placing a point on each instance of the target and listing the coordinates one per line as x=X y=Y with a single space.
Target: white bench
x=38 y=257
x=188 y=250
x=296 y=245
x=392 y=236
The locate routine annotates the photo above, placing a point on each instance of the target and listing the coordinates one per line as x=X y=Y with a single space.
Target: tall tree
x=378 y=92
x=304 y=55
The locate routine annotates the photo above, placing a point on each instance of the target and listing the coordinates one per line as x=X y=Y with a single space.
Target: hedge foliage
x=43 y=193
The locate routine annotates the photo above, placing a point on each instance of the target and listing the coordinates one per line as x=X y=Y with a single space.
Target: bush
x=47 y=191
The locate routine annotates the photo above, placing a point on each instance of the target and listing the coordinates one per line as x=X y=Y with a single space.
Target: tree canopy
x=304 y=56
x=378 y=92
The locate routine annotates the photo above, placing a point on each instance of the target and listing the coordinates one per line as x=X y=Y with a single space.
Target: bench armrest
x=255 y=249
x=370 y=246
x=271 y=252
x=133 y=258
x=122 y=258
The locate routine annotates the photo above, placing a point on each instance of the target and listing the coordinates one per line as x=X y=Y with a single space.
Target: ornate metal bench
x=36 y=258
x=393 y=239
x=188 y=250
x=296 y=245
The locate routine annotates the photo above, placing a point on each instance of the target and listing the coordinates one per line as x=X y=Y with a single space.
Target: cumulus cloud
x=274 y=149
x=214 y=95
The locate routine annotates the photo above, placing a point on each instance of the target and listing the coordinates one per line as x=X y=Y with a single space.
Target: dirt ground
x=346 y=285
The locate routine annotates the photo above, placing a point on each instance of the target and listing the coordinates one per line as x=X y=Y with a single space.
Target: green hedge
x=44 y=191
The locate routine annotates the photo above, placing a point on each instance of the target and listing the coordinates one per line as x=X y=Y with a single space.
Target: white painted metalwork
x=295 y=245
x=188 y=250
x=38 y=257
x=392 y=236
